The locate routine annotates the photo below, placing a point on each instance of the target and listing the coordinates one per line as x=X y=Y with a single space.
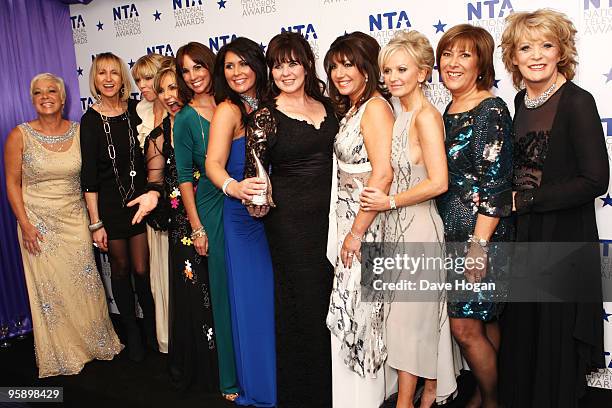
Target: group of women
x=252 y=285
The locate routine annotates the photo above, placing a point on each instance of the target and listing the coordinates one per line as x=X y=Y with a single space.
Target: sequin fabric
x=479 y=154
x=67 y=299
x=358 y=325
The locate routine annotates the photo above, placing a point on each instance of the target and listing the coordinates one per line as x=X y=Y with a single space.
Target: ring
x=95 y=244
x=350 y=254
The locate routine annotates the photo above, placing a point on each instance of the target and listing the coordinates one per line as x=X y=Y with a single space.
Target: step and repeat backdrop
x=131 y=29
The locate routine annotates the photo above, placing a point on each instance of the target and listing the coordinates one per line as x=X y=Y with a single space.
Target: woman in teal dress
x=191 y=126
x=240 y=80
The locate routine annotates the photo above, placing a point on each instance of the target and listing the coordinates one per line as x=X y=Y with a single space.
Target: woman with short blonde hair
x=105 y=58
x=151 y=111
x=419 y=342
x=67 y=299
x=112 y=174
x=560 y=168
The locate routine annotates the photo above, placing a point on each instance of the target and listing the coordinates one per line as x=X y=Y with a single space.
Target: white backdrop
x=132 y=29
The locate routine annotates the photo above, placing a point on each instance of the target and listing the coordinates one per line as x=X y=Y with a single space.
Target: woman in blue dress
x=239 y=82
x=476 y=208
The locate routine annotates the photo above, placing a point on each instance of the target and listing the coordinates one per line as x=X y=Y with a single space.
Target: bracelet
x=480 y=241
x=392 y=203
x=198 y=233
x=225 y=184
x=355 y=236
x=95 y=226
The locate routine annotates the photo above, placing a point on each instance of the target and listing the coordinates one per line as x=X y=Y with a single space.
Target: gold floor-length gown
x=67 y=299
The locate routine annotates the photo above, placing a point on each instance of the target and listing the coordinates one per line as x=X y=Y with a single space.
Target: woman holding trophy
x=294 y=134
x=239 y=82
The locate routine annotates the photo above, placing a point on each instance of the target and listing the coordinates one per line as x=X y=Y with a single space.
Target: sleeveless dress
x=191 y=133
x=192 y=348
x=419 y=340
x=67 y=299
x=300 y=156
x=251 y=291
x=358 y=349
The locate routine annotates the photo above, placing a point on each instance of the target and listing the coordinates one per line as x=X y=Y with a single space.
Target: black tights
x=131 y=255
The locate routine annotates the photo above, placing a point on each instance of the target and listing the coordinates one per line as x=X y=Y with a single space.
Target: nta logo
x=393 y=20
x=124 y=12
x=492 y=9
x=595 y=3
x=188 y=3
x=305 y=29
x=214 y=43
x=77 y=21
x=163 y=49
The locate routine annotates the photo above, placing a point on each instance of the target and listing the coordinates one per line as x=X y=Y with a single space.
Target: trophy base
x=259 y=200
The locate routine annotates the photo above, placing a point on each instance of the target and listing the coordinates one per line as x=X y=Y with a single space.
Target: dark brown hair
x=252 y=54
x=362 y=51
x=286 y=47
x=475 y=39
x=200 y=54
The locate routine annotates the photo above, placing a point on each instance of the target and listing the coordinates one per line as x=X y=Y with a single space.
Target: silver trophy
x=265 y=196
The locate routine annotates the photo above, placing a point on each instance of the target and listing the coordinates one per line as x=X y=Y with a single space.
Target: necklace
x=53 y=141
x=539 y=100
x=125 y=194
x=252 y=101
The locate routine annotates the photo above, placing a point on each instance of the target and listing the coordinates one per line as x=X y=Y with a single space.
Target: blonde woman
x=151 y=111
x=560 y=168
x=67 y=299
x=112 y=174
x=419 y=342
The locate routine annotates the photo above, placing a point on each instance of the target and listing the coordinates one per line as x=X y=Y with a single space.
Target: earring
x=480 y=77
x=366 y=79
x=420 y=84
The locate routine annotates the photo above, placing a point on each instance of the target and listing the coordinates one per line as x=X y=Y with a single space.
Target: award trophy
x=257 y=133
x=265 y=197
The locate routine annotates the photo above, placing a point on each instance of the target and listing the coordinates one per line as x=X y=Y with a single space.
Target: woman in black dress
x=560 y=168
x=113 y=173
x=192 y=352
x=300 y=126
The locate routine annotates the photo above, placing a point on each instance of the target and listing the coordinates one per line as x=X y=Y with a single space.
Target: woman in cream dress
x=152 y=113
x=67 y=299
x=419 y=341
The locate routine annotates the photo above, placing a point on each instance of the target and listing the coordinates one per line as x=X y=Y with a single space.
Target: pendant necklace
x=125 y=194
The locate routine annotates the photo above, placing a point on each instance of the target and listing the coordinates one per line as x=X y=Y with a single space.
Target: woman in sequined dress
x=192 y=353
x=363 y=150
x=476 y=208
x=67 y=300
x=560 y=168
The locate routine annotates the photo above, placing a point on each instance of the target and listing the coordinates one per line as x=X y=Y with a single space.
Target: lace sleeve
x=261 y=127
x=155 y=159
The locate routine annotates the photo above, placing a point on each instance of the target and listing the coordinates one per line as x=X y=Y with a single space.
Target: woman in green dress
x=194 y=62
